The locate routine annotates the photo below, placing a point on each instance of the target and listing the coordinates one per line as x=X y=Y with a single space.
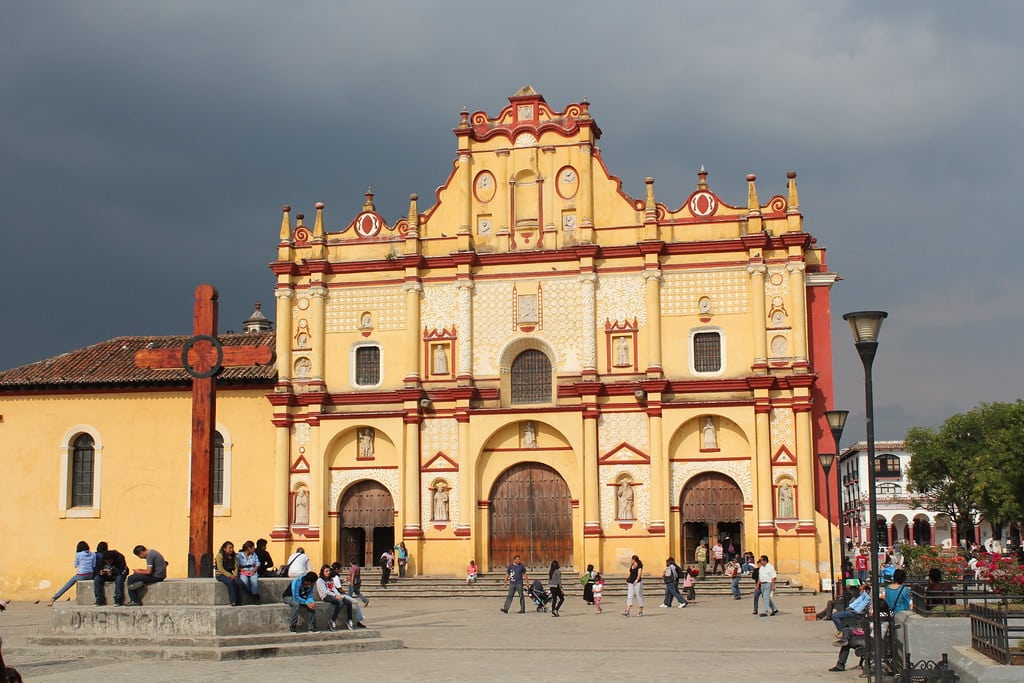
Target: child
x=691 y=594
x=598 y=589
x=471 y=572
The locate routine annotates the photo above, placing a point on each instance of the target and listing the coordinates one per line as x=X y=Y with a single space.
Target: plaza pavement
x=469 y=639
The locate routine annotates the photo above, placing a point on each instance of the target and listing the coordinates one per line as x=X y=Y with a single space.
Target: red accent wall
x=819 y=345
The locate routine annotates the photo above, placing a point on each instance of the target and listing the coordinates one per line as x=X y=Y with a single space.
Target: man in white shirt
x=766 y=583
x=299 y=564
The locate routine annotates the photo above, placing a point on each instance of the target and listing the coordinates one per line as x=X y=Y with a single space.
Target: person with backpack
x=671 y=578
x=732 y=570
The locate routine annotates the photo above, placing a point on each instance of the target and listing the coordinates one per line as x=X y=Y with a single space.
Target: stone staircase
x=491 y=585
x=192 y=619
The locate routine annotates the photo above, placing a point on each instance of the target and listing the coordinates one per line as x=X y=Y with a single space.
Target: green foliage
x=974 y=463
x=918 y=559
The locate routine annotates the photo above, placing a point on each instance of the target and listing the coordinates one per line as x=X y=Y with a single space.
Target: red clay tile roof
x=112 y=363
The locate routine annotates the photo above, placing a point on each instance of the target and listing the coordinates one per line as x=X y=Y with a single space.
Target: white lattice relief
x=780 y=473
x=737 y=470
x=439 y=434
x=782 y=430
x=729 y=291
x=302 y=432
x=776 y=283
x=640 y=474
x=342 y=479
x=621 y=298
x=439 y=306
x=427 y=480
x=385 y=304
x=616 y=428
x=493 y=329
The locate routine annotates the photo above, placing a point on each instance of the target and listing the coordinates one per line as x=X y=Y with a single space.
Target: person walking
x=766 y=580
x=387 y=563
x=555 y=587
x=732 y=570
x=403 y=559
x=671 y=578
x=355 y=582
x=718 y=555
x=515 y=578
x=860 y=563
x=597 y=591
x=587 y=579
x=635 y=587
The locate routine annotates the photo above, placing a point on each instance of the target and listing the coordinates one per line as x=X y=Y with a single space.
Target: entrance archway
x=710 y=507
x=531 y=515
x=366 y=522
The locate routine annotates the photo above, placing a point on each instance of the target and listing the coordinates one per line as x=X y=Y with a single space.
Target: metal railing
x=951 y=598
x=992 y=627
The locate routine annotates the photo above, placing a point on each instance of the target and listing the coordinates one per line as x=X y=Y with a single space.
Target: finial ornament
x=368 y=203
x=753 y=206
x=794 y=198
x=286 y=229
x=702 y=178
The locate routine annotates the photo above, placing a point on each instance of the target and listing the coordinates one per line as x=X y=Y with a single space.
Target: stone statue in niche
x=301 y=513
x=303 y=367
x=365 y=438
x=709 y=438
x=624 y=509
x=365 y=321
x=439 y=506
x=529 y=435
x=622 y=359
x=786 y=507
x=440 y=360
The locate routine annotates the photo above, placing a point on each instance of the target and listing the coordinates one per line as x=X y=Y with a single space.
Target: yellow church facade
x=533 y=362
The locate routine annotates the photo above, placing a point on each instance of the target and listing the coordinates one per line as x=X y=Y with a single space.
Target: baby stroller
x=539 y=596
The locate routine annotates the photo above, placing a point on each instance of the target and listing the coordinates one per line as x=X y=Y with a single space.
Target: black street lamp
x=865 y=326
x=826 y=464
x=836 y=422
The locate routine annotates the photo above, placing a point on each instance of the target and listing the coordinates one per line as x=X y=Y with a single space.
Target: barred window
x=707 y=351
x=531 y=378
x=367 y=366
x=218 y=469
x=82 y=463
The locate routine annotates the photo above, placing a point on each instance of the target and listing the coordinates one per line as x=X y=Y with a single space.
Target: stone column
x=591 y=483
x=467 y=501
x=282 y=492
x=412 y=355
x=765 y=502
x=465 y=317
x=410 y=514
x=588 y=287
x=551 y=219
x=465 y=185
x=586 y=193
x=652 y=302
x=501 y=196
x=659 y=469
x=804 y=462
x=798 y=290
x=317 y=310
x=757 y=272
x=282 y=342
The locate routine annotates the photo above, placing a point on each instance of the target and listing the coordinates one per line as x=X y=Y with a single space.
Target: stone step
x=239 y=647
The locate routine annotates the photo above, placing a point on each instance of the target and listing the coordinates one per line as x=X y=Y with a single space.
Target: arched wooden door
x=531 y=515
x=712 y=504
x=366 y=522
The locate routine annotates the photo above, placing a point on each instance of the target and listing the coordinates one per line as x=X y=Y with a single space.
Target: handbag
x=283 y=570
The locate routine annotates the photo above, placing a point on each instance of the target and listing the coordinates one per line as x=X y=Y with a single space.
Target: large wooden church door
x=531 y=515
x=366 y=519
x=711 y=504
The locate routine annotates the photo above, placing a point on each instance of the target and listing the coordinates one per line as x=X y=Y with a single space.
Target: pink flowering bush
x=1005 y=575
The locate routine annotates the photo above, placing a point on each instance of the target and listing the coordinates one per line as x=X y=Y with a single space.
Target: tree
x=972 y=464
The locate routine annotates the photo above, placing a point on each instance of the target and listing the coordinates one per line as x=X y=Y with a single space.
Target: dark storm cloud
x=147 y=147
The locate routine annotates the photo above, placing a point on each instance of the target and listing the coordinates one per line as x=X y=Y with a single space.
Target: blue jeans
x=766 y=598
x=293 y=623
x=353 y=592
x=837 y=618
x=512 y=589
x=251 y=584
x=71 y=582
x=98 y=592
x=736 y=586
x=232 y=585
x=672 y=591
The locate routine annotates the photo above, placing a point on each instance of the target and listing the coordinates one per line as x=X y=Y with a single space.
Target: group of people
x=107 y=565
x=240 y=572
x=718 y=555
x=303 y=592
x=389 y=558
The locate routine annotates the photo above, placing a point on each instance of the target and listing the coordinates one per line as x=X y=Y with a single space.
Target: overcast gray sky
x=146 y=147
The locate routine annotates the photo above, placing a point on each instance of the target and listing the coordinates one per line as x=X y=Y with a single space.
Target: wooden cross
x=202 y=357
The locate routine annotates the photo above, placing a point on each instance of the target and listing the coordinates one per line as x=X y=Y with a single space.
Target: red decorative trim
x=656 y=529
x=412 y=532
x=300 y=466
x=710 y=450
x=637 y=456
x=483 y=504
x=626 y=526
x=440 y=527
x=280 y=535
x=591 y=530
x=463 y=531
x=362 y=467
x=783 y=456
x=451 y=465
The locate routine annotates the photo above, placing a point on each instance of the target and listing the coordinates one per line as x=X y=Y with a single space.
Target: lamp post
x=836 y=422
x=865 y=326
x=826 y=464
